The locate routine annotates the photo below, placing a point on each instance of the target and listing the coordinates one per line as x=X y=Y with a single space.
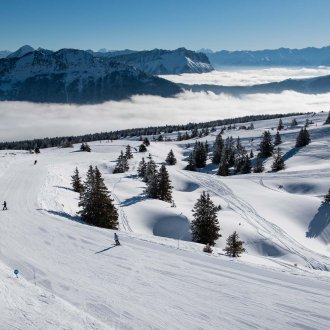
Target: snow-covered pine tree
x=151 y=169
x=122 y=164
x=164 y=185
x=76 y=182
x=146 y=142
x=251 y=154
x=170 y=159
x=142 y=168
x=277 y=139
x=258 y=166
x=280 y=125
x=86 y=199
x=223 y=169
x=152 y=185
x=217 y=149
x=105 y=213
x=278 y=163
x=205 y=226
x=246 y=165
x=293 y=122
x=327 y=197
x=327 y=121
x=128 y=152
x=191 y=166
x=303 y=138
x=200 y=154
x=266 y=145
x=234 y=246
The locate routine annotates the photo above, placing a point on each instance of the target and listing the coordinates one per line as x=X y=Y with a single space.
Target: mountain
x=162 y=62
x=310 y=56
x=316 y=85
x=74 y=76
x=4 y=53
x=21 y=51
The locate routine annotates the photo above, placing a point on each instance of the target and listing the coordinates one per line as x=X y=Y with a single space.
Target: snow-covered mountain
x=74 y=76
x=72 y=277
x=21 y=51
x=309 y=56
x=161 y=62
x=4 y=53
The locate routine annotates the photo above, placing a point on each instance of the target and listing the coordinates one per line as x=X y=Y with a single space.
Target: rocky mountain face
x=162 y=62
x=275 y=57
x=74 y=76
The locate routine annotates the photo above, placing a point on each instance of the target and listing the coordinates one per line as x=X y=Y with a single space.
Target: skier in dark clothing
x=35 y=162
x=116 y=239
x=4 y=206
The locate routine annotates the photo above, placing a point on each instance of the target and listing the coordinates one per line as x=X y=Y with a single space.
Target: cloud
x=24 y=120
x=247 y=77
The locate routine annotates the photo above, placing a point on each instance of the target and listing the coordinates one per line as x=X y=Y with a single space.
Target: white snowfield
x=72 y=277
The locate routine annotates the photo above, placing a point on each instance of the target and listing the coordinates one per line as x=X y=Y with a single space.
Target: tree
x=278 y=139
x=234 y=246
x=280 y=125
x=142 y=148
x=37 y=150
x=278 y=163
x=152 y=185
x=223 y=169
x=95 y=200
x=85 y=147
x=293 y=122
x=191 y=163
x=205 y=226
x=142 y=168
x=200 y=154
x=258 y=166
x=146 y=142
x=251 y=154
x=170 y=159
x=128 y=152
x=122 y=164
x=246 y=165
x=217 y=149
x=303 y=138
x=327 y=197
x=327 y=121
x=266 y=145
x=76 y=182
x=164 y=185
x=151 y=169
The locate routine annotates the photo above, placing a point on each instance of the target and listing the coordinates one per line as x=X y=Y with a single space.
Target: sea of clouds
x=24 y=120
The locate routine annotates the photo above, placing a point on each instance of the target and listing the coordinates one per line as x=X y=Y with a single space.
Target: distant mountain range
x=74 y=76
x=316 y=85
x=275 y=57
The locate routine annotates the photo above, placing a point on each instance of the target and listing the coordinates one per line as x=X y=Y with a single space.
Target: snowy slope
x=148 y=282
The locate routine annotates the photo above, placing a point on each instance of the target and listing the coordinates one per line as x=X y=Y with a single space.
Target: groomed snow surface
x=72 y=277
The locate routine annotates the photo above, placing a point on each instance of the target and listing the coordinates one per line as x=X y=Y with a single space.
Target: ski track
x=265 y=228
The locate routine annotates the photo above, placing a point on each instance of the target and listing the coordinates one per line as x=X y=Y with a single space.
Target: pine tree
x=217 y=149
x=205 y=226
x=266 y=145
x=146 y=142
x=259 y=166
x=280 y=125
x=142 y=168
x=327 y=197
x=303 y=138
x=142 y=148
x=223 y=169
x=151 y=169
x=37 y=150
x=327 y=121
x=164 y=185
x=122 y=164
x=234 y=246
x=85 y=147
x=76 y=182
x=152 y=185
x=246 y=165
x=293 y=122
x=191 y=163
x=200 y=154
x=278 y=163
x=251 y=154
x=170 y=159
x=128 y=152
x=98 y=208
x=278 y=139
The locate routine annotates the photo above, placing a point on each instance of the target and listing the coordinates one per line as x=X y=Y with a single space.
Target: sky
x=167 y=24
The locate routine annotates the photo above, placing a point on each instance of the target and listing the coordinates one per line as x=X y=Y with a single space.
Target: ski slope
x=72 y=277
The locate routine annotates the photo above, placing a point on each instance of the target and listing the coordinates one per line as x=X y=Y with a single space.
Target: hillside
x=157 y=278
x=74 y=76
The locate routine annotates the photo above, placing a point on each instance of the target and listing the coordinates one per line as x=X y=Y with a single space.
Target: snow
x=72 y=277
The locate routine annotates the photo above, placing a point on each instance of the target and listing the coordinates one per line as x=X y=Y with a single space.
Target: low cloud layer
x=247 y=77
x=23 y=120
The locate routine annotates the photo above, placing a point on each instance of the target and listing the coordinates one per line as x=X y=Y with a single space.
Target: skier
x=35 y=162
x=116 y=239
x=4 y=206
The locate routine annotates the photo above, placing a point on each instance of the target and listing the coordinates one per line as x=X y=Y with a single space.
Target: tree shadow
x=290 y=153
x=320 y=221
x=66 y=188
x=62 y=214
x=133 y=200
x=106 y=249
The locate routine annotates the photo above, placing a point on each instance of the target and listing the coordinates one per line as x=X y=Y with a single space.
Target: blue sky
x=169 y=24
